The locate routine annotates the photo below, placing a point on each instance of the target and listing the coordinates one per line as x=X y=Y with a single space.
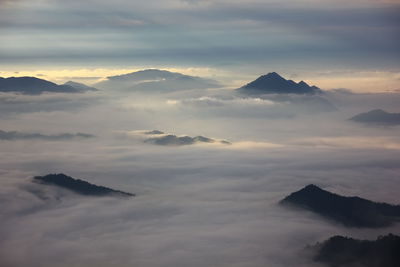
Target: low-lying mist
x=195 y=205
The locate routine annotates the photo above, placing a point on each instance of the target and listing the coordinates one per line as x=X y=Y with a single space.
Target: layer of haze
x=196 y=205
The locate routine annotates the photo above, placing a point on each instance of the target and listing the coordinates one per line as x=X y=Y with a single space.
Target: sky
x=333 y=44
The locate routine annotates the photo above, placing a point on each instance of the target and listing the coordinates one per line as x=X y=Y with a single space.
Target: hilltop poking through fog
x=350 y=211
x=163 y=139
x=299 y=97
x=377 y=117
x=154 y=80
x=79 y=186
x=344 y=251
x=36 y=86
x=273 y=83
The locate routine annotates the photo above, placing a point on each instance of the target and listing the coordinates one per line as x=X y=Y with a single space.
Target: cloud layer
x=207 y=33
x=196 y=205
x=14 y=135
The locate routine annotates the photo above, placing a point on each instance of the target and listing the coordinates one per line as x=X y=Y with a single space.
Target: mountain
x=79 y=186
x=173 y=140
x=273 y=83
x=15 y=135
x=350 y=211
x=154 y=80
x=343 y=251
x=80 y=86
x=378 y=117
x=34 y=86
x=154 y=132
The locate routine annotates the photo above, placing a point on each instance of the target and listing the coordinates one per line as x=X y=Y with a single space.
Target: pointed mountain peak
x=303 y=83
x=271 y=76
x=273 y=83
x=309 y=190
x=311 y=187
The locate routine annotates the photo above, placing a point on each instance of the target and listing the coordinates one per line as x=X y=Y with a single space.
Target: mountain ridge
x=78 y=186
x=34 y=86
x=349 y=211
x=344 y=251
x=378 y=117
x=273 y=83
x=155 y=80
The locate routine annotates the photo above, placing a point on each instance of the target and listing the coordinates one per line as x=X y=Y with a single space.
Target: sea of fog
x=206 y=204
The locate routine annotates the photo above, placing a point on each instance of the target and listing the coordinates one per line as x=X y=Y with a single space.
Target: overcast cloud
x=201 y=205
x=360 y=34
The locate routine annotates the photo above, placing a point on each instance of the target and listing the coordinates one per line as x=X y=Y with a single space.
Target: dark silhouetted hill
x=173 y=140
x=33 y=86
x=350 y=211
x=273 y=83
x=14 y=135
x=339 y=251
x=154 y=132
x=79 y=186
x=378 y=117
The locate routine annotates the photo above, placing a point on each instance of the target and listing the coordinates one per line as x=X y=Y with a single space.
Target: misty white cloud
x=360 y=142
x=208 y=205
x=231 y=104
x=12 y=104
x=191 y=211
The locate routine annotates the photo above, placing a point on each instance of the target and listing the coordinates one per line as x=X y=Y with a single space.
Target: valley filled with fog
x=208 y=166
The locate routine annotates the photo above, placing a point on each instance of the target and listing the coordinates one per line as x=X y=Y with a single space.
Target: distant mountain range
x=154 y=80
x=350 y=211
x=79 y=186
x=163 y=139
x=273 y=83
x=34 y=86
x=377 y=117
x=15 y=135
x=339 y=251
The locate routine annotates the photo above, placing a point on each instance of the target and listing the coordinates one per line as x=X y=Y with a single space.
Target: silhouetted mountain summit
x=78 y=186
x=378 y=116
x=149 y=74
x=273 y=83
x=340 y=251
x=154 y=80
x=350 y=211
x=154 y=132
x=173 y=140
x=15 y=135
x=34 y=86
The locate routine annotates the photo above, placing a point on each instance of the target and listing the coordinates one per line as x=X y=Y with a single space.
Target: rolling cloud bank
x=208 y=167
